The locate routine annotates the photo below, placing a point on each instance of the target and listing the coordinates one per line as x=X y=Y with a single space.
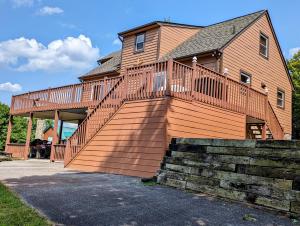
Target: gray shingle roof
x=212 y=37
x=111 y=64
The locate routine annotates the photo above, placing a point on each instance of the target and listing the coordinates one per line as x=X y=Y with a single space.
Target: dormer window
x=264 y=45
x=140 y=42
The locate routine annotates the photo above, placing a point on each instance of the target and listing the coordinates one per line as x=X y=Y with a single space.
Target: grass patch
x=149 y=183
x=14 y=212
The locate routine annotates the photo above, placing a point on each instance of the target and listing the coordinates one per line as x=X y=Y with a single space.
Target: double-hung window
x=264 y=45
x=139 y=42
x=280 y=98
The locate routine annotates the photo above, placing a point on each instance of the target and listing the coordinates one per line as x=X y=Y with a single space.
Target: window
x=139 y=42
x=159 y=83
x=245 y=78
x=263 y=45
x=280 y=98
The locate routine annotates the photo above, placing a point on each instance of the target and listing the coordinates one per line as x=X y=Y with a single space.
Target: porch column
x=9 y=129
x=55 y=136
x=27 y=144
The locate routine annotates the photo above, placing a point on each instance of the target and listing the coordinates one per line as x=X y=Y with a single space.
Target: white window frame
x=265 y=46
x=282 y=99
x=246 y=75
x=139 y=42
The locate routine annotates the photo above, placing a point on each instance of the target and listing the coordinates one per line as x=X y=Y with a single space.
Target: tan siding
x=196 y=120
x=243 y=54
x=171 y=37
x=207 y=61
x=132 y=142
x=130 y=58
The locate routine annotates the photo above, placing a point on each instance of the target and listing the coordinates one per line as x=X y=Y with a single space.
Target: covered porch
x=58 y=145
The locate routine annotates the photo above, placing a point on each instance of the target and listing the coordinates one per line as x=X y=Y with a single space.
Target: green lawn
x=13 y=212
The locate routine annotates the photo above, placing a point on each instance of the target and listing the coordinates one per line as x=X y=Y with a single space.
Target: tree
x=294 y=68
x=19 y=129
x=4 y=114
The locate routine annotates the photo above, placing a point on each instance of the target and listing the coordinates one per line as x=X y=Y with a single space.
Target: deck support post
x=9 y=129
x=169 y=77
x=55 y=135
x=28 y=136
x=264 y=132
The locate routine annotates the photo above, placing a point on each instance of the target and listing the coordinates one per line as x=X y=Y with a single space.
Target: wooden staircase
x=148 y=87
x=255 y=131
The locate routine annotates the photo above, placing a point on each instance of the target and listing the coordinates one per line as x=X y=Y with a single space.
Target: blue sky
x=50 y=43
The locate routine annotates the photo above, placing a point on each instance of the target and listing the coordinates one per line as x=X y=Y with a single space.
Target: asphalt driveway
x=73 y=198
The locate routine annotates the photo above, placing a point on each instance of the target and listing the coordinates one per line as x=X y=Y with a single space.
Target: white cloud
x=24 y=54
x=10 y=87
x=47 y=11
x=117 y=42
x=293 y=51
x=22 y=3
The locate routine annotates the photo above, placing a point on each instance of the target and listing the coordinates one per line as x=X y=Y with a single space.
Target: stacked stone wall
x=265 y=173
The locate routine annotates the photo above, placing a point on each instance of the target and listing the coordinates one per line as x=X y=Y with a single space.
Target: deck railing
x=59 y=152
x=178 y=80
x=66 y=97
x=273 y=123
x=17 y=150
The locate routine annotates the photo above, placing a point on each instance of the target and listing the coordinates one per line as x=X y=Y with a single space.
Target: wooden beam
x=28 y=136
x=55 y=136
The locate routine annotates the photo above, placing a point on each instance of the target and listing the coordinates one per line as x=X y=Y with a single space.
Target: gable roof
x=213 y=37
x=108 y=63
x=156 y=24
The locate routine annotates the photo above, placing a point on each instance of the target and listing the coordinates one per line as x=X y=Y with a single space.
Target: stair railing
x=95 y=120
x=273 y=123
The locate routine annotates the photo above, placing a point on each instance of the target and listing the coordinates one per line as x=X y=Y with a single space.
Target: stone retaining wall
x=265 y=173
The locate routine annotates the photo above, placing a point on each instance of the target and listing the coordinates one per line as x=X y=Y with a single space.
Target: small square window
x=139 y=42
x=263 y=45
x=280 y=98
x=245 y=78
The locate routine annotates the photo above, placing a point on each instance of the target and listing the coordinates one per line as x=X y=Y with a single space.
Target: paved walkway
x=73 y=198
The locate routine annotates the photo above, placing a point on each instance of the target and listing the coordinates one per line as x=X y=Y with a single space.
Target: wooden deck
x=75 y=96
x=222 y=102
x=197 y=102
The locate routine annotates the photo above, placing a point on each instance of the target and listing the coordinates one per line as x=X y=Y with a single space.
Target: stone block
x=281 y=163
x=273 y=203
x=202 y=180
x=183 y=169
x=295 y=207
x=265 y=171
x=287 y=144
x=175 y=183
x=248 y=179
x=188 y=148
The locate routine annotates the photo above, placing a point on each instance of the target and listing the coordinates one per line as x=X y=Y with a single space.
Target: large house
x=227 y=80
